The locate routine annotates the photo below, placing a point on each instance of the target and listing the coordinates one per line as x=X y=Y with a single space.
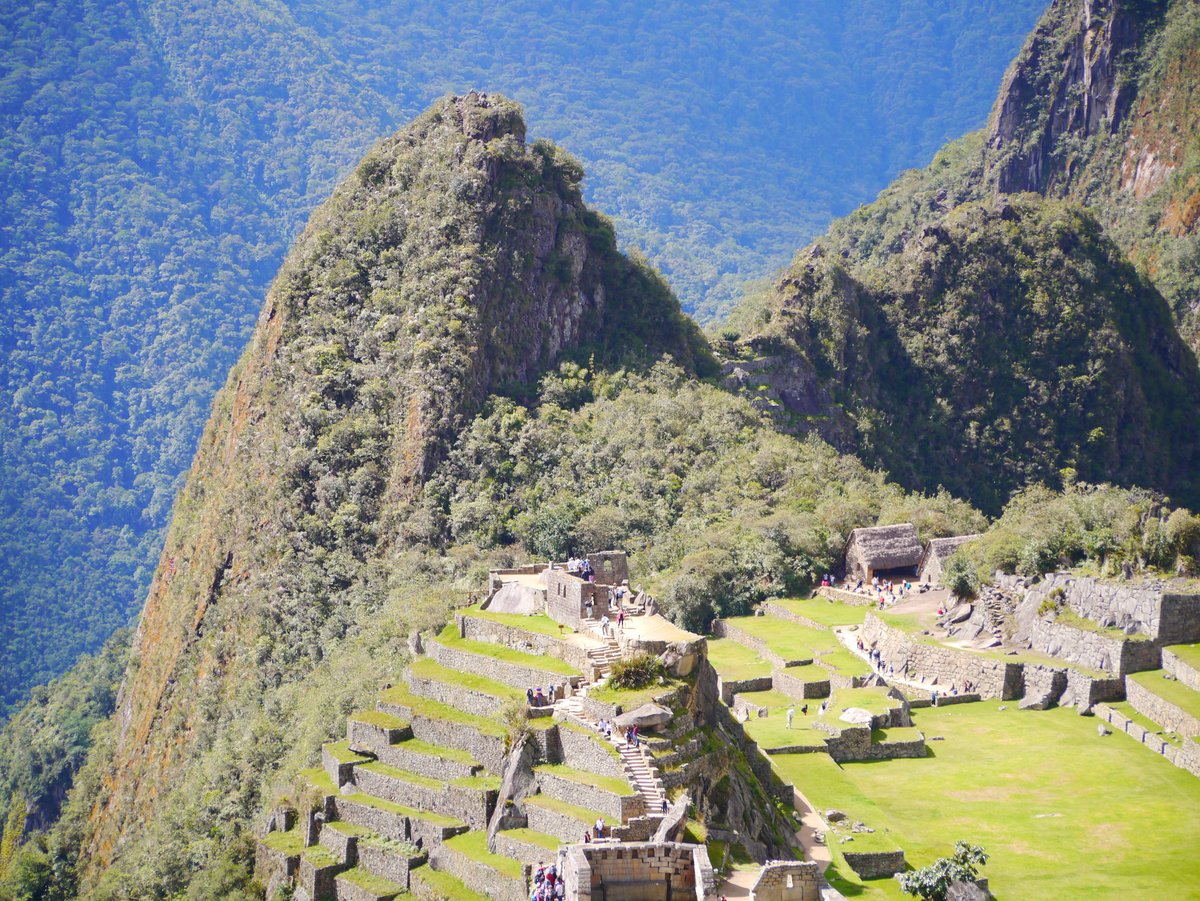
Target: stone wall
x=478 y=629
x=1162 y=711
x=1184 y=672
x=616 y=808
x=457 y=696
x=637 y=871
x=731 y=687
x=610 y=567
x=942 y=666
x=496 y=576
x=389 y=862
x=787 y=880
x=335 y=769
x=512 y=674
x=568 y=598
x=1185 y=756
x=800 y=688
x=317 y=881
x=479 y=877
x=781 y=612
x=1092 y=650
x=487 y=749
x=273 y=869
x=1149 y=607
x=392 y=825
x=875 y=864
x=584 y=751
x=471 y=805
x=371 y=737
x=402 y=758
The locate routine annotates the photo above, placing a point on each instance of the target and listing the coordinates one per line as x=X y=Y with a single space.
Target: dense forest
x=159 y=157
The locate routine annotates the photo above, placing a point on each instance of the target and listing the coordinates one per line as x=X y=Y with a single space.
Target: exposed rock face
x=455 y=259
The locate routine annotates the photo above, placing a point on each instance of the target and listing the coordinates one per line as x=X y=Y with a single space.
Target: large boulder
x=645 y=717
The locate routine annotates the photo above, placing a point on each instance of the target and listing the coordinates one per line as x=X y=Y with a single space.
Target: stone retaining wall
x=274 y=869
x=390 y=863
x=472 y=806
x=342 y=846
x=1184 y=672
x=800 y=688
x=875 y=864
x=725 y=629
x=637 y=871
x=371 y=738
x=460 y=697
x=393 y=825
x=512 y=674
x=1162 y=711
x=351 y=891
x=1092 y=650
x=562 y=826
x=479 y=877
x=584 y=751
x=729 y=688
x=1186 y=757
x=1149 y=607
x=942 y=666
x=517 y=639
x=336 y=770
x=788 y=880
x=487 y=749
x=317 y=881
x=847 y=597
x=402 y=758
x=617 y=808
x=526 y=852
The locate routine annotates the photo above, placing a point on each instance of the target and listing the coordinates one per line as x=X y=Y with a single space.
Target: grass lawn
x=1188 y=653
x=319 y=779
x=378 y=718
x=735 y=661
x=1063 y=812
x=443 y=885
x=533 y=837
x=788 y=640
x=824 y=611
x=449 y=637
x=1071 y=618
x=772 y=731
x=537 y=622
x=400 y=810
x=473 y=845
x=423 y=747
x=873 y=698
x=629 y=698
x=290 y=843
x=391 y=772
x=1170 y=690
x=428 y=668
x=845 y=662
x=582 y=814
x=340 y=751
x=1124 y=707
x=370 y=882
x=774 y=700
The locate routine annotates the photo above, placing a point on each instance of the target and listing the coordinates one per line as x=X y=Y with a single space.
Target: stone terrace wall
x=479 y=877
x=465 y=699
x=616 y=808
x=583 y=752
x=1162 y=711
x=1179 y=619
x=1118 y=656
x=1186 y=757
x=479 y=629
x=800 y=688
x=875 y=864
x=731 y=687
x=1148 y=607
x=513 y=674
x=942 y=666
x=788 y=880
x=1185 y=673
x=724 y=629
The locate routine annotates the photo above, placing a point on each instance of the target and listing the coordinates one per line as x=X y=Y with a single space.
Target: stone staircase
x=644 y=776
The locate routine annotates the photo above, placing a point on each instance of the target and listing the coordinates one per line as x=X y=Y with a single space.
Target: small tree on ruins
x=932 y=883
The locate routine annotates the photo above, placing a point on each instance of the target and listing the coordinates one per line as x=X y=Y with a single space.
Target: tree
x=933 y=882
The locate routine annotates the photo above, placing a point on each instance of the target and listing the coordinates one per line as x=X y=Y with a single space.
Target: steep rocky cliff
x=1012 y=312
x=457 y=261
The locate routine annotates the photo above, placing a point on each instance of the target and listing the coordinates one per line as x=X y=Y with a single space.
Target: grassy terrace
x=400 y=810
x=1074 y=620
x=450 y=638
x=533 y=837
x=845 y=662
x=340 y=751
x=604 y=783
x=537 y=622
x=290 y=843
x=402 y=697
x=772 y=731
x=320 y=856
x=378 y=718
x=319 y=779
x=608 y=746
x=1188 y=653
x=443 y=885
x=788 y=640
x=371 y=883
x=585 y=816
x=351 y=829
x=824 y=611
x=874 y=699
x=428 y=668
x=734 y=661
x=452 y=754
x=1124 y=707
x=473 y=845
x=1063 y=812
x=1170 y=690
x=391 y=772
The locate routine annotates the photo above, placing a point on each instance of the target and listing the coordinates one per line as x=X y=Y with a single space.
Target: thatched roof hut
x=883 y=550
x=936 y=554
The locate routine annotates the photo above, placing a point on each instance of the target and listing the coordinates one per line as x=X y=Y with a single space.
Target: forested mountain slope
x=966 y=331
x=158 y=158
x=391 y=430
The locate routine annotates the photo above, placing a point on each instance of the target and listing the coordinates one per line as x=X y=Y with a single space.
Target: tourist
x=635 y=736
x=621 y=619
x=529 y=696
x=934 y=700
x=599 y=831
x=539 y=698
x=587 y=837
x=664 y=805
x=790 y=714
x=804 y=710
x=604 y=625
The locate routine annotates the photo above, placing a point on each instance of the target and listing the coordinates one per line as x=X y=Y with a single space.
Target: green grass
x=428 y=668
x=772 y=731
x=391 y=772
x=351 y=829
x=585 y=816
x=445 y=886
x=1171 y=690
x=1071 y=618
x=370 y=882
x=402 y=697
x=629 y=699
x=449 y=637
x=290 y=843
x=1188 y=653
x=340 y=751
x=320 y=856
x=873 y=698
x=473 y=845
x=824 y=611
x=788 y=640
x=899 y=733
x=845 y=663
x=734 y=661
x=378 y=718
x=400 y=810
x=774 y=700
x=453 y=754
x=605 y=783
x=1064 y=813
x=478 y=783
x=319 y=779
x=537 y=622
x=533 y=837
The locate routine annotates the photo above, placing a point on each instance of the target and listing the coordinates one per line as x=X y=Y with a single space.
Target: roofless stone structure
x=936 y=554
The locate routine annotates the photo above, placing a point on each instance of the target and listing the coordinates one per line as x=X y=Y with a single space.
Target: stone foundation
x=875 y=864
x=641 y=871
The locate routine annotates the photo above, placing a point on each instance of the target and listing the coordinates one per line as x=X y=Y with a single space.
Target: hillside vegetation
x=158 y=158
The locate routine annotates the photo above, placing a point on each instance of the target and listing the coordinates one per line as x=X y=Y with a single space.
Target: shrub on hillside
x=932 y=883
x=639 y=671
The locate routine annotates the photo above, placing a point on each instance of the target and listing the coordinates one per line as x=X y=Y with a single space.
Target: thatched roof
x=944 y=547
x=887 y=547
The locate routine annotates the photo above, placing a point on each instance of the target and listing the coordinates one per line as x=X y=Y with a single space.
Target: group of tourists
x=538 y=698
x=579 y=566
x=547 y=886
